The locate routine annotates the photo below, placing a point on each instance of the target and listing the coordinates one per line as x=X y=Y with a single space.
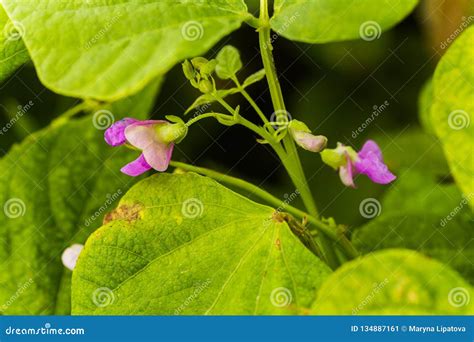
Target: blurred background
x=334 y=88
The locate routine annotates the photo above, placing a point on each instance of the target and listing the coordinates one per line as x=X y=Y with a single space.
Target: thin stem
x=244 y=122
x=291 y=159
x=247 y=96
x=207 y=115
x=323 y=228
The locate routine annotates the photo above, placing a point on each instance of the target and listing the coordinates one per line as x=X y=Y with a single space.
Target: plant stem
x=325 y=229
x=290 y=159
x=206 y=115
x=247 y=96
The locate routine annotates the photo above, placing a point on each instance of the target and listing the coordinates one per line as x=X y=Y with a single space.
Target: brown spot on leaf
x=278 y=243
x=127 y=212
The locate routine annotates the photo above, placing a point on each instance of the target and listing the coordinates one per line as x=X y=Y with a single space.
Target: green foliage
x=110 y=49
x=453 y=107
x=394 y=282
x=56 y=186
x=423 y=214
x=424 y=106
x=12 y=50
x=254 y=78
x=184 y=244
x=321 y=21
x=228 y=62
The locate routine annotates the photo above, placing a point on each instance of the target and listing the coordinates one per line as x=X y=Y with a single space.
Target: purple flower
x=155 y=138
x=367 y=161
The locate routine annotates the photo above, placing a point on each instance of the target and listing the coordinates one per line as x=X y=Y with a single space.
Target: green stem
x=323 y=228
x=290 y=159
x=247 y=96
x=207 y=115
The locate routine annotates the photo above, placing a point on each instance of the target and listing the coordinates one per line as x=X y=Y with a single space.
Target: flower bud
x=188 y=70
x=205 y=86
x=303 y=137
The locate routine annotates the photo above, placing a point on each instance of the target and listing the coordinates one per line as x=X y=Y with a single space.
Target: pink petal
x=136 y=167
x=70 y=255
x=375 y=169
x=370 y=147
x=346 y=173
x=158 y=155
x=115 y=134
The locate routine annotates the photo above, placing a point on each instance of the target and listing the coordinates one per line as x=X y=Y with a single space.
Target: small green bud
x=188 y=70
x=208 y=68
x=199 y=62
x=205 y=86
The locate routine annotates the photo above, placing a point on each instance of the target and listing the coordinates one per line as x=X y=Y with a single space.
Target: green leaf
x=425 y=102
x=321 y=21
x=423 y=214
x=228 y=62
x=54 y=188
x=184 y=244
x=453 y=109
x=129 y=41
x=394 y=282
x=12 y=50
x=254 y=78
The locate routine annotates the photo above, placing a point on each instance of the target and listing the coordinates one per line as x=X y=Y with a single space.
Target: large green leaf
x=321 y=21
x=12 y=50
x=453 y=109
x=425 y=215
x=184 y=244
x=394 y=282
x=54 y=188
x=109 y=49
